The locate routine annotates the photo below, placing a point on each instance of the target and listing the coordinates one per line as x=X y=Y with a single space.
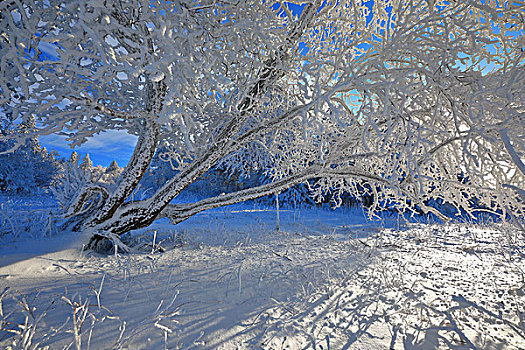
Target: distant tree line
x=29 y=168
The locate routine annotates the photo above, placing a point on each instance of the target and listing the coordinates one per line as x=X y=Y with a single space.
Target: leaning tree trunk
x=116 y=217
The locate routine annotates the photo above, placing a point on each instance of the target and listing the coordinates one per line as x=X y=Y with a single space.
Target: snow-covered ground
x=229 y=280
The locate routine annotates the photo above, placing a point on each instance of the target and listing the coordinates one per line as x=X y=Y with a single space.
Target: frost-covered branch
x=77 y=204
x=180 y=212
x=132 y=174
x=425 y=98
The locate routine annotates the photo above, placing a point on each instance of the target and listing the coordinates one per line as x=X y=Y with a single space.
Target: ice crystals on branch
x=390 y=96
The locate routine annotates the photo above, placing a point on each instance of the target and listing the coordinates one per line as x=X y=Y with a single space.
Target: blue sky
x=102 y=148
x=118 y=145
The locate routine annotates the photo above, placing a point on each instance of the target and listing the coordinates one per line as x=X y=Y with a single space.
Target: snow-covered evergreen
x=29 y=168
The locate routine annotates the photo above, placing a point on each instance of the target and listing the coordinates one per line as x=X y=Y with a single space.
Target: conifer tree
x=87 y=164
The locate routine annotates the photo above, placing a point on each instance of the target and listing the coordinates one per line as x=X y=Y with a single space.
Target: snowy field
x=227 y=279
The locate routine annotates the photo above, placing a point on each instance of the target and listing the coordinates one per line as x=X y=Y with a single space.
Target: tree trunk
x=117 y=217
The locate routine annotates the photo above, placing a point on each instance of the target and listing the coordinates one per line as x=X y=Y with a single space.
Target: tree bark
x=132 y=174
x=118 y=217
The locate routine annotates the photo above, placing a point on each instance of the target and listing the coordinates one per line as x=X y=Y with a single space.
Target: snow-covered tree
x=415 y=99
x=29 y=168
x=87 y=164
x=113 y=167
x=73 y=158
x=110 y=174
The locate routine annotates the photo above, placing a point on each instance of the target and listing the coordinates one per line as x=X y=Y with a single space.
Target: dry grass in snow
x=228 y=280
